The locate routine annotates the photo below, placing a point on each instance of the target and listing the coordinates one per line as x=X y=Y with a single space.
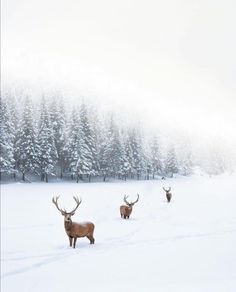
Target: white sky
x=168 y=60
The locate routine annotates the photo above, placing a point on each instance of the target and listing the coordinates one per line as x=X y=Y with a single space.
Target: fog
x=171 y=63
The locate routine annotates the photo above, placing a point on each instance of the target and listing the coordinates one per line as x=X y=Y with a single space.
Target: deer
x=125 y=210
x=168 y=194
x=73 y=229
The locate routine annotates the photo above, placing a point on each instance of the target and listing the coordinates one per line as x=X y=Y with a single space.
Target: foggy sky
x=167 y=60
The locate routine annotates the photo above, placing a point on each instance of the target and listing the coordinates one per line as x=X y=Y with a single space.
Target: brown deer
x=168 y=194
x=125 y=210
x=73 y=229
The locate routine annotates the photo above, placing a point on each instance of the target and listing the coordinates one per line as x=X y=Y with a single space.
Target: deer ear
x=73 y=213
x=62 y=213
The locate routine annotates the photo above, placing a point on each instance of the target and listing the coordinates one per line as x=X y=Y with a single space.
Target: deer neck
x=68 y=224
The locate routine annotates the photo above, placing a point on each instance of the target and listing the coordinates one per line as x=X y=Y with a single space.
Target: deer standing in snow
x=125 y=210
x=168 y=194
x=73 y=229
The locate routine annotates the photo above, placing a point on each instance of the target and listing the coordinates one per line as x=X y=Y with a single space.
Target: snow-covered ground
x=187 y=245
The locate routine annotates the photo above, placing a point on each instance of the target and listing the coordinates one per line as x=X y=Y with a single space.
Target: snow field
x=187 y=245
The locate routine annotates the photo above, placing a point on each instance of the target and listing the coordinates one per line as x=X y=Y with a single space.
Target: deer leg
x=75 y=238
x=70 y=239
x=91 y=239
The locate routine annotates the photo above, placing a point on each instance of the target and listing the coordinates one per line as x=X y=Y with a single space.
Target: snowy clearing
x=187 y=245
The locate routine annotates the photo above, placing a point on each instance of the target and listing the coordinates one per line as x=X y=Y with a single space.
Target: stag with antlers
x=125 y=210
x=73 y=229
x=168 y=194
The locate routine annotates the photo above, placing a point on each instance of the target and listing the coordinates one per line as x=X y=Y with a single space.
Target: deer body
x=168 y=194
x=126 y=210
x=74 y=229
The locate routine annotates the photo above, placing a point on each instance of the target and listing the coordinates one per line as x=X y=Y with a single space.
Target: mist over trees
x=54 y=139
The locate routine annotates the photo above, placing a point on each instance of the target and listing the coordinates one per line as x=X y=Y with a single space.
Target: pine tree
x=116 y=147
x=58 y=121
x=72 y=148
x=155 y=157
x=171 y=166
x=15 y=113
x=186 y=163
x=136 y=153
x=47 y=149
x=87 y=163
x=105 y=152
x=26 y=143
x=6 y=140
x=124 y=161
x=129 y=156
x=112 y=156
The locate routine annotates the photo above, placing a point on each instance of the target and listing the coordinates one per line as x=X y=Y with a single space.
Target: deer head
x=67 y=215
x=130 y=204
x=167 y=191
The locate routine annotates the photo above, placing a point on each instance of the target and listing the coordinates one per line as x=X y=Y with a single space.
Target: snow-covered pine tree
x=87 y=163
x=136 y=152
x=129 y=156
x=124 y=161
x=58 y=120
x=95 y=124
x=155 y=157
x=47 y=149
x=147 y=163
x=186 y=162
x=112 y=156
x=170 y=163
x=6 y=140
x=15 y=113
x=105 y=154
x=72 y=147
x=26 y=143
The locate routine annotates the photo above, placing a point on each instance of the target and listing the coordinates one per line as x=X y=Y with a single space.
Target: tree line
x=54 y=139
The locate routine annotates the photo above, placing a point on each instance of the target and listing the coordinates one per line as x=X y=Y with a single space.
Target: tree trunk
x=46 y=178
x=61 y=175
x=23 y=176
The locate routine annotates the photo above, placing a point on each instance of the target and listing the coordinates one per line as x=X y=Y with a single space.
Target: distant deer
x=125 y=210
x=73 y=229
x=168 y=194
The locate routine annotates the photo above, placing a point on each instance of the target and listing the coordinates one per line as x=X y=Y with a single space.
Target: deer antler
x=136 y=200
x=125 y=199
x=78 y=202
x=131 y=203
x=166 y=190
x=55 y=202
